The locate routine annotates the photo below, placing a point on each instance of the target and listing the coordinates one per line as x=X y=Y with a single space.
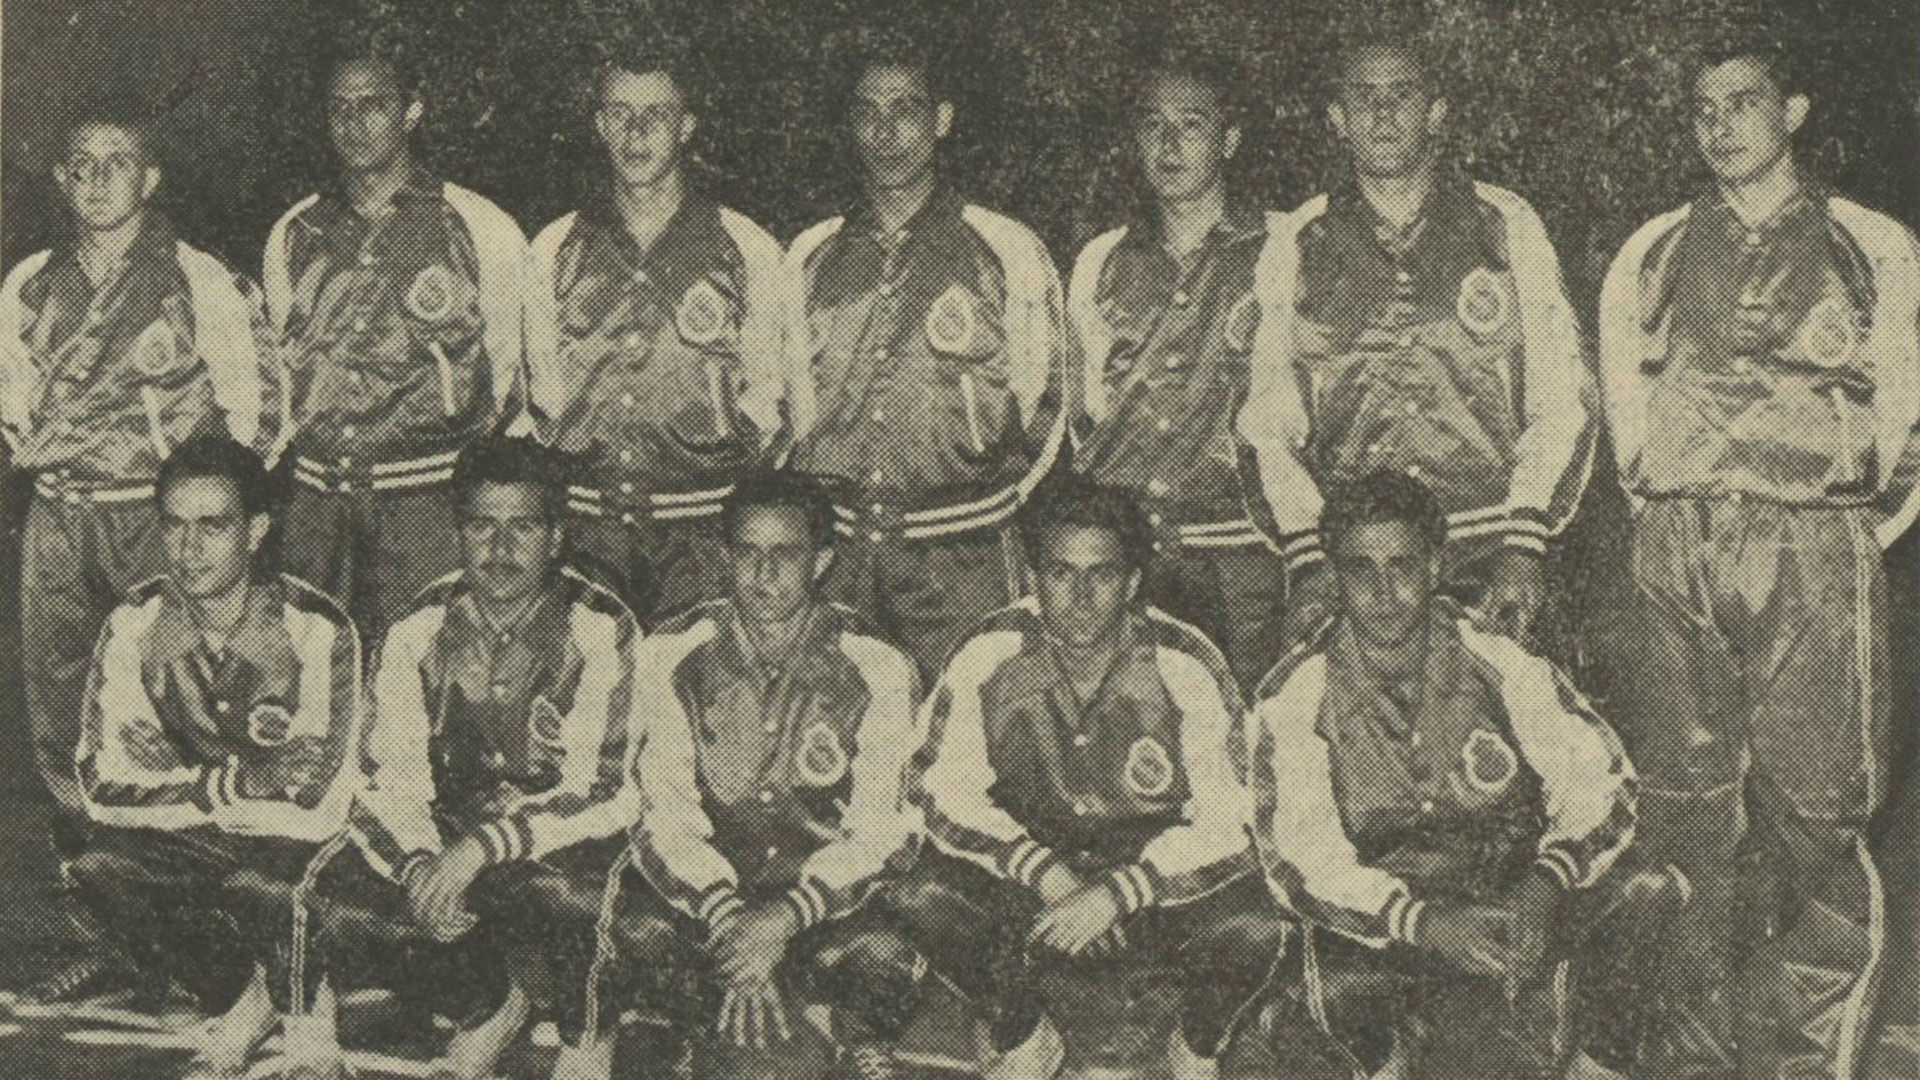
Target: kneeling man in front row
x=1443 y=810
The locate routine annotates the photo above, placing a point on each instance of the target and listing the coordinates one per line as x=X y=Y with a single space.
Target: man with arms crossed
x=219 y=751
x=777 y=736
x=1164 y=314
x=933 y=331
x=657 y=329
x=397 y=298
x=1416 y=321
x=1762 y=376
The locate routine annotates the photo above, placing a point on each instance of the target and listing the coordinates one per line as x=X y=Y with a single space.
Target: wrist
x=1132 y=886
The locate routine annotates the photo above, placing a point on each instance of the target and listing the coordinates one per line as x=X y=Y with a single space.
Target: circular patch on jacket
x=950 y=321
x=1242 y=323
x=154 y=352
x=1489 y=762
x=701 y=317
x=1484 y=306
x=269 y=724
x=1830 y=333
x=820 y=758
x=1149 y=771
x=544 y=721
x=430 y=297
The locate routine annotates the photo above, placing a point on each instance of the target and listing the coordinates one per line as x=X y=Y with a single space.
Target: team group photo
x=860 y=540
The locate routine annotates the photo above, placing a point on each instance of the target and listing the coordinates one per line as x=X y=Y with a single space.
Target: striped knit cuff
x=219 y=785
x=1028 y=862
x=1559 y=865
x=809 y=902
x=721 y=904
x=1402 y=917
x=506 y=840
x=409 y=866
x=1133 y=887
x=1301 y=550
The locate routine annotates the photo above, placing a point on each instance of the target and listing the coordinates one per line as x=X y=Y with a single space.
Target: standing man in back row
x=1416 y=321
x=933 y=330
x=397 y=299
x=1761 y=359
x=1164 y=313
x=656 y=322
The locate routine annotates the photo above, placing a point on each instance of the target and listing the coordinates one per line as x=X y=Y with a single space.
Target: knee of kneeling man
x=95 y=869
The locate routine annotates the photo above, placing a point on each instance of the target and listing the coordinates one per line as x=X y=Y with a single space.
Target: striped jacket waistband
x=626 y=502
x=344 y=475
x=47 y=487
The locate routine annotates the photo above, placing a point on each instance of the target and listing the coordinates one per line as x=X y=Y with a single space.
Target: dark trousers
x=78 y=562
x=1233 y=595
x=373 y=551
x=972 y=926
x=1758 y=717
x=927 y=595
x=658 y=568
x=194 y=904
x=658 y=959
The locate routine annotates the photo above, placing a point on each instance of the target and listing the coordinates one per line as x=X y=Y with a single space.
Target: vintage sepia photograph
x=944 y=539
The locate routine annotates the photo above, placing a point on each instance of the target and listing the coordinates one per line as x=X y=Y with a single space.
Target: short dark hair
x=219 y=457
x=657 y=53
x=1380 y=496
x=1070 y=500
x=1217 y=74
x=515 y=459
x=405 y=78
x=771 y=488
x=123 y=112
x=874 y=47
x=1392 y=35
x=1757 y=45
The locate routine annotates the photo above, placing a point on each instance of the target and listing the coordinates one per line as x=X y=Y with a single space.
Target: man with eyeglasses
x=397 y=299
x=933 y=331
x=656 y=323
x=1761 y=362
x=498 y=794
x=116 y=345
x=219 y=750
x=1163 y=312
x=1415 y=320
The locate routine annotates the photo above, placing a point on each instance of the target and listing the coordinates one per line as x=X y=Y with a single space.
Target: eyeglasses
x=619 y=120
x=80 y=168
x=355 y=109
x=523 y=530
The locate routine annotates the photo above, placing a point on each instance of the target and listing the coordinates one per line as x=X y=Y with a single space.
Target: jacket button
x=366 y=258
x=1741 y=366
x=498 y=759
x=1157 y=487
x=633 y=341
x=359 y=326
x=626 y=519
x=221 y=706
x=1181 y=299
x=1413 y=471
x=499 y=691
x=349 y=431
x=876 y=477
x=626 y=457
x=886 y=288
x=1156 y=519
x=1406 y=341
x=1403 y=277
x=879 y=415
x=773 y=852
x=346 y=462
x=1426 y=806
x=766 y=796
x=1754 y=239
x=626 y=487
x=355 y=377
x=1080 y=809
x=878 y=508
x=1414 y=739
x=879 y=354
x=626 y=400
x=771 y=728
x=1080 y=739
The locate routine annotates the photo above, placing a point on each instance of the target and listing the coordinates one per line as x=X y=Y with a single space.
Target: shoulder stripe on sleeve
x=1093 y=335
x=1892 y=347
x=1626 y=342
x=274 y=279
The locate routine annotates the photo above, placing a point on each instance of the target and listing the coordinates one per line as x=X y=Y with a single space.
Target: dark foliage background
x=1577 y=105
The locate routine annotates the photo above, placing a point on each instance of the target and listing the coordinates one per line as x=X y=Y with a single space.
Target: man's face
x=368 y=116
x=209 y=540
x=1182 y=137
x=897 y=125
x=510 y=544
x=1084 y=583
x=645 y=125
x=105 y=176
x=1386 y=573
x=774 y=563
x=1742 y=121
x=1386 y=113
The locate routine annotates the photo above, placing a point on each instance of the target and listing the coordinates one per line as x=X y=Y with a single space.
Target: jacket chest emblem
x=1242 y=323
x=951 y=322
x=1830 y=333
x=1488 y=762
x=1484 y=306
x=701 y=318
x=154 y=352
x=269 y=724
x=1149 y=771
x=430 y=297
x=820 y=759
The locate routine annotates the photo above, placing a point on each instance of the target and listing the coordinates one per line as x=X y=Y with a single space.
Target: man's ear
x=1337 y=116
x=1797 y=108
x=1133 y=585
x=1436 y=115
x=1233 y=143
x=149 y=182
x=822 y=562
x=257 y=528
x=416 y=111
x=942 y=119
x=687 y=123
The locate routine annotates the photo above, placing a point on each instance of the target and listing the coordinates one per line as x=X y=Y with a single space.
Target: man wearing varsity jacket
x=1414 y=319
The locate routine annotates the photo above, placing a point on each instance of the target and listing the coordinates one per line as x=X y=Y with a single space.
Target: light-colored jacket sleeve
x=1092 y=338
x=549 y=391
x=19 y=372
x=501 y=249
x=1630 y=341
x=1891 y=351
x=1037 y=350
x=766 y=354
x=393 y=818
x=877 y=823
x=130 y=774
